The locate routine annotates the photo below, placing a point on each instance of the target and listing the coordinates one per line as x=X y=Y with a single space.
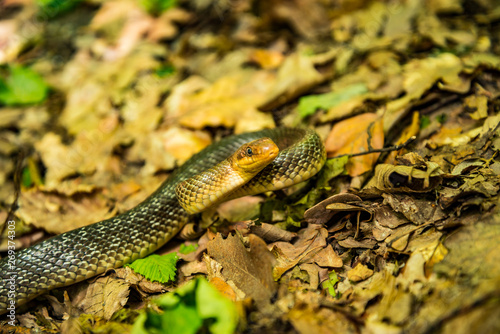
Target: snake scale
x=91 y=250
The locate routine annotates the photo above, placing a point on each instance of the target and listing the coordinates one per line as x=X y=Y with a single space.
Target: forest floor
x=101 y=100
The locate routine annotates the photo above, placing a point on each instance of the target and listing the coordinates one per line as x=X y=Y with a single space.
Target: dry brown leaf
x=313 y=273
x=386 y=217
x=223 y=287
x=352 y=136
x=350 y=242
x=414 y=178
x=267 y=59
x=308 y=320
x=271 y=232
x=418 y=211
x=193 y=267
x=249 y=270
x=310 y=241
x=104 y=297
x=319 y=214
x=231 y=102
x=359 y=273
x=164 y=28
x=57 y=213
x=327 y=257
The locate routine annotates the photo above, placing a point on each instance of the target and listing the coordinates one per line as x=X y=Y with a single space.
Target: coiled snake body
x=90 y=250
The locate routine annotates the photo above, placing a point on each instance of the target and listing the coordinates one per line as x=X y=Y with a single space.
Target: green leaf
x=156 y=7
x=26 y=178
x=22 y=86
x=309 y=104
x=186 y=249
x=156 y=268
x=330 y=284
x=193 y=308
x=441 y=118
x=165 y=71
x=49 y=9
x=213 y=305
x=425 y=121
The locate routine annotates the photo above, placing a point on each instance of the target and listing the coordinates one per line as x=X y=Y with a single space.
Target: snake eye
x=249 y=151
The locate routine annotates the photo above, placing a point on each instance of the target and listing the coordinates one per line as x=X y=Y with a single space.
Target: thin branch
x=385 y=149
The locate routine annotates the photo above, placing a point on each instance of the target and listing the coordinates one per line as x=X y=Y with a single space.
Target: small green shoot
x=330 y=284
x=309 y=104
x=186 y=249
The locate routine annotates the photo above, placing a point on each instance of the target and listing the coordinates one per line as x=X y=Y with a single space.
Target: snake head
x=252 y=157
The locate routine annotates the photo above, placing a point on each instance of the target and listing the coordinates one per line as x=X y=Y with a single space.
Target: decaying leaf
x=104 y=297
x=310 y=242
x=249 y=270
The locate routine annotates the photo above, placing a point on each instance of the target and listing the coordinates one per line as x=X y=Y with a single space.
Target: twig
x=17 y=189
x=385 y=149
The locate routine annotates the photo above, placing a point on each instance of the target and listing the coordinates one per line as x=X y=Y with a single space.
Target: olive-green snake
x=90 y=250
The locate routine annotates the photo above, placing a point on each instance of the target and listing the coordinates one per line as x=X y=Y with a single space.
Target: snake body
x=91 y=250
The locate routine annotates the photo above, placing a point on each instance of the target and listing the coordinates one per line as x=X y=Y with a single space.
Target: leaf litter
x=405 y=241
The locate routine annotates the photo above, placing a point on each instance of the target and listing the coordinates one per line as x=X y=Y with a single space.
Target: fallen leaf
x=319 y=214
x=250 y=270
x=327 y=257
x=271 y=232
x=104 y=297
x=310 y=241
x=359 y=273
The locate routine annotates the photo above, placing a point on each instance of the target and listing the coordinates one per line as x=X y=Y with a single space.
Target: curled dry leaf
x=319 y=214
x=389 y=178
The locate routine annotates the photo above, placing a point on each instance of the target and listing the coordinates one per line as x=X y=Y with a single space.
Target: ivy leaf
x=156 y=268
x=22 y=86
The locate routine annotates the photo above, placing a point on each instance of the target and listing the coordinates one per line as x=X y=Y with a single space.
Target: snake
x=91 y=250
